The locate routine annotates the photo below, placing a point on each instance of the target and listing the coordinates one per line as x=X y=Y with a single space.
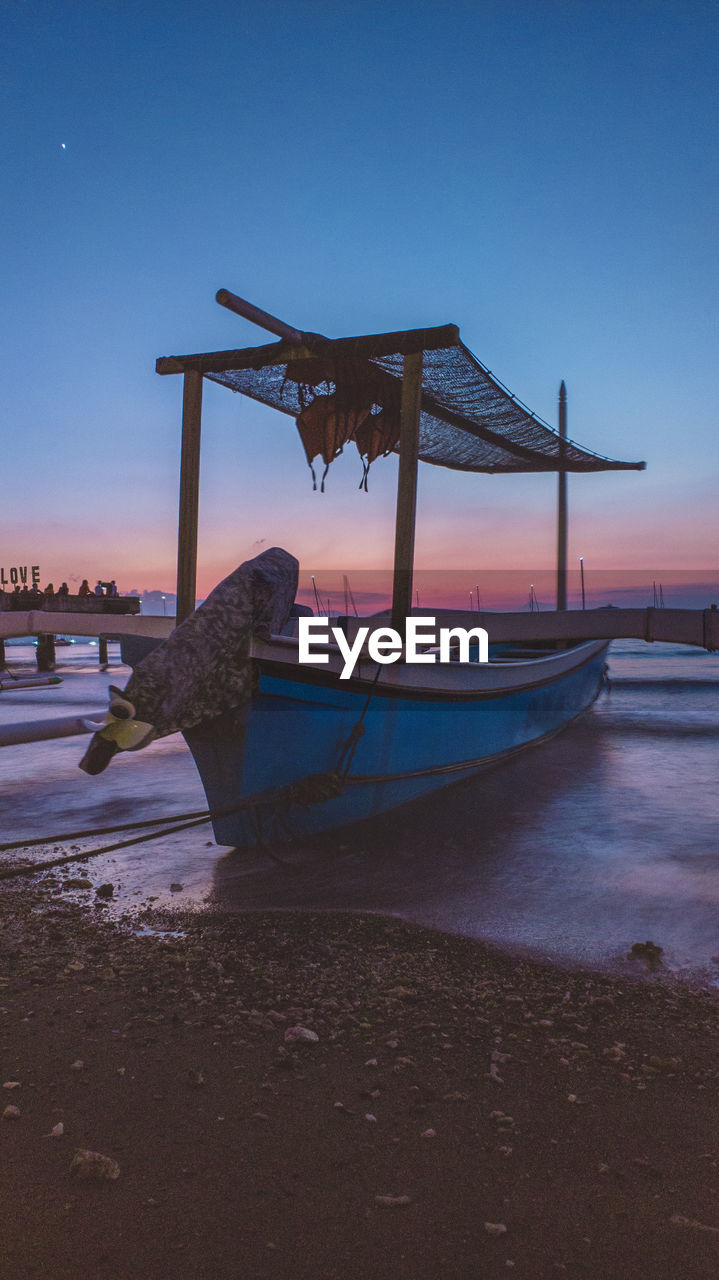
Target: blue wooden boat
x=309 y=751
x=420 y=728
x=296 y=748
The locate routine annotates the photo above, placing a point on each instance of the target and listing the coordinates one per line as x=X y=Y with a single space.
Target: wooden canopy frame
x=295 y=344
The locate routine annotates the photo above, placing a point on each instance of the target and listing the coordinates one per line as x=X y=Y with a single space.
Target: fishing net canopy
x=349 y=390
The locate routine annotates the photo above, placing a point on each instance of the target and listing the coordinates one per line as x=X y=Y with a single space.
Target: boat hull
x=413 y=740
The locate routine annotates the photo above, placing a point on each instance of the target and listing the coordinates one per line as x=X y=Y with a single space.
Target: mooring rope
x=32 y=868
x=103 y=831
x=305 y=791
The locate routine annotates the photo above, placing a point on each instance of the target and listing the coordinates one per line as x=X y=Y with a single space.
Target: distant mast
x=562 y=505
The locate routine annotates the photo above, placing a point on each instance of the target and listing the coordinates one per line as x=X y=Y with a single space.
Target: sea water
x=604 y=836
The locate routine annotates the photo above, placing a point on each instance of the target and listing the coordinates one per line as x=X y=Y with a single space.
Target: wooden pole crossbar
x=295 y=343
x=305 y=345
x=407 y=478
x=262 y=319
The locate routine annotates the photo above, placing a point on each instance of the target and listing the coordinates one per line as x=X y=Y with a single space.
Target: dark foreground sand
x=462 y=1114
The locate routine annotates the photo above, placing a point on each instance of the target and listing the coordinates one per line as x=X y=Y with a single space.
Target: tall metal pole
x=407 y=490
x=189 y=495
x=581 y=570
x=562 y=505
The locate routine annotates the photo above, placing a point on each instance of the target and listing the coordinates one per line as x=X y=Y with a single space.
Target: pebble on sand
x=301 y=1035
x=91 y=1164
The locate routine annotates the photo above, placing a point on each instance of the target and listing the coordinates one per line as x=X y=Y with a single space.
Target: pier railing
x=21 y=602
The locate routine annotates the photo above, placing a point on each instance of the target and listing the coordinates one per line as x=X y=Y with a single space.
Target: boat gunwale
x=435 y=685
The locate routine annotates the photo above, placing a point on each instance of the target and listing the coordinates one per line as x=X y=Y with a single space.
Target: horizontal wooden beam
x=367 y=347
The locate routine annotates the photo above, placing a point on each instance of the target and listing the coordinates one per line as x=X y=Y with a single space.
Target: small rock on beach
x=301 y=1035
x=91 y=1164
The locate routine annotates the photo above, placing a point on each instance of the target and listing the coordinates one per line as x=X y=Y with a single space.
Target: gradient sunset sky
x=543 y=174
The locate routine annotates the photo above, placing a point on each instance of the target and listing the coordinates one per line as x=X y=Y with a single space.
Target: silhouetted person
x=49 y=590
x=63 y=589
x=84 y=588
x=98 y=588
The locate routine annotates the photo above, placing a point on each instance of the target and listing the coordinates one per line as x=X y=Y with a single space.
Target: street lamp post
x=581 y=570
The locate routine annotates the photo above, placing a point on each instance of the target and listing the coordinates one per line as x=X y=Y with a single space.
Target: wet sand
x=461 y=1112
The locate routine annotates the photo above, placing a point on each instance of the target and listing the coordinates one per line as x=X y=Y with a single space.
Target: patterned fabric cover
x=204 y=668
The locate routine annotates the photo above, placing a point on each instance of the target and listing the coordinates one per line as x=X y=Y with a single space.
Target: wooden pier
x=104 y=617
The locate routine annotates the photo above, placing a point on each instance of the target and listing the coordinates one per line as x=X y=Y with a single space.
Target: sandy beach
x=455 y=1110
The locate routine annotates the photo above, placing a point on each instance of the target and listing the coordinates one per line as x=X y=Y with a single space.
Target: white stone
x=301 y=1035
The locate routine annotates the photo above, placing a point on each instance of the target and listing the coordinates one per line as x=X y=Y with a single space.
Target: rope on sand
x=31 y=869
x=314 y=788
x=102 y=831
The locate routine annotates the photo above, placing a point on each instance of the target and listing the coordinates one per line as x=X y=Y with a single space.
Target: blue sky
x=543 y=174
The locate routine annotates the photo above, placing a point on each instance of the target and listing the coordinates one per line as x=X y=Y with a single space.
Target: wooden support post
x=102 y=651
x=407 y=490
x=45 y=652
x=189 y=495
x=3 y=662
x=562 y=506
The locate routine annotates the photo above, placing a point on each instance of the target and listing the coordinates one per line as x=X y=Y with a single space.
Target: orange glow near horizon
x=439 y=561
x=468 y=524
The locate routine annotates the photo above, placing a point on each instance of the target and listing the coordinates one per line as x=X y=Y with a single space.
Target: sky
x=541 y=173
